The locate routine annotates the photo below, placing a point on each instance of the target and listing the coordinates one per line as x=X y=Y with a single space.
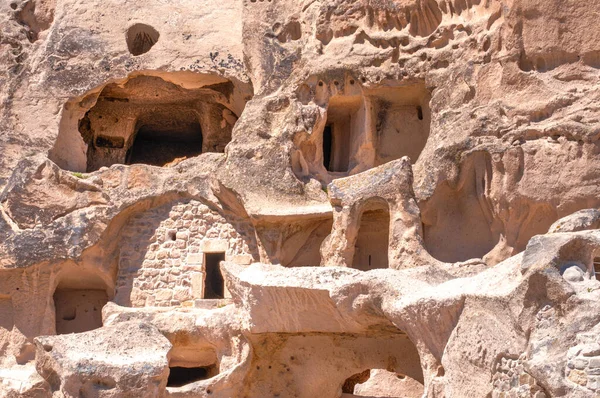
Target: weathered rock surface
x=299 y=198
x=108 y=362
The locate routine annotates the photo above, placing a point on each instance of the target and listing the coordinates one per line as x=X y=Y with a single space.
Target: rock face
x=313 y=198
x=109 y=362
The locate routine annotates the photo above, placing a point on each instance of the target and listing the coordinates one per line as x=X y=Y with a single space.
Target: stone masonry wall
x=512 y=381
x=161 y=260
x=583 y=365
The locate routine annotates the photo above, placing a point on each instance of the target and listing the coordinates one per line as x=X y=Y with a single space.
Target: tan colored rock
x=299 y=198
x=105 y=362
x=382 y=383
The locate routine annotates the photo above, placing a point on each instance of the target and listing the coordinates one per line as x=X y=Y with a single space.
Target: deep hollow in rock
x=380 y=383
x=156 y=120
x=161 y=139
x=141 y=38
x=303 y=241
x=6 y=312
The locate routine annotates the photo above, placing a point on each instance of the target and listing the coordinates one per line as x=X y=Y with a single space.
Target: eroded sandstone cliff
x=278 y=198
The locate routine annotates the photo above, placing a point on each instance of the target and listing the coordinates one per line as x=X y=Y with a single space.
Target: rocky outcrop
x=311 y=199
x=131 y=360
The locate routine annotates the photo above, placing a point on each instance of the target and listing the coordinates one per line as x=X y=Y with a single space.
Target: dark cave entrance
x=336 y=144
x=179 y=376
x=160 y=142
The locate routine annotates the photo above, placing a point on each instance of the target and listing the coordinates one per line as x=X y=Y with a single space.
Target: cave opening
x=365 y=128
x=180 y=376
x=162 y=140
x=352 y=381
x=148 y=119
x=403 y=122
x=141 y=38
x=336 y=146
x=6 y=312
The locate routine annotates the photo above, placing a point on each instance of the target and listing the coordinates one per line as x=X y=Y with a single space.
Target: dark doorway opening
x=327 y=147
x=214 y=286
x=181 y=376
x=336 y=146
x=160 y=141
x=343 y=126
x=597 y=267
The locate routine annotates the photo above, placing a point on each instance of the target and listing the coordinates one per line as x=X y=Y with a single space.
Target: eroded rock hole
x=180 y=376
x=214 y=285
x=371 y=247
x=288 y=32
x=35 y=16
x=141 y=38
x=109 y=142
x=303 y=241
x=457 y=219
x=69 y=313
